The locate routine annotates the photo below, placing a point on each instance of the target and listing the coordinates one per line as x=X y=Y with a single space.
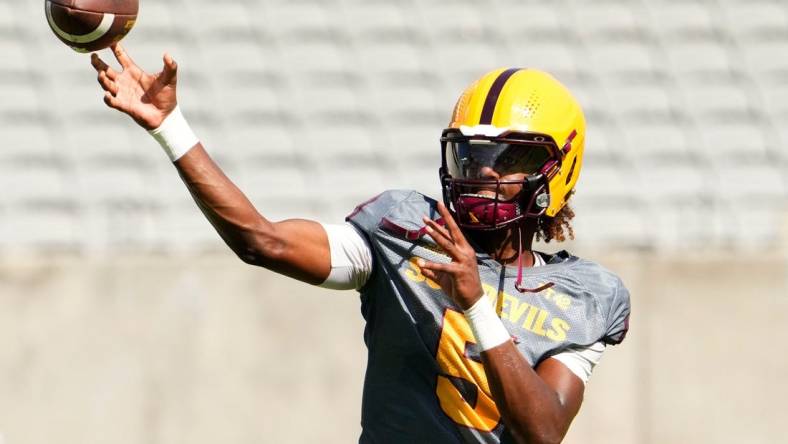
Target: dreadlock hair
x=558 y=227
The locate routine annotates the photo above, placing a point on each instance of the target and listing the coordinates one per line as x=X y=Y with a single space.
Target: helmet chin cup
x=485 y=210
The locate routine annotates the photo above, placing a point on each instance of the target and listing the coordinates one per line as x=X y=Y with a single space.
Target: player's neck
x=504 y=245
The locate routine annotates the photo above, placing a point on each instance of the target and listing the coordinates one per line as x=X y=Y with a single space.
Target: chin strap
x=519 y=281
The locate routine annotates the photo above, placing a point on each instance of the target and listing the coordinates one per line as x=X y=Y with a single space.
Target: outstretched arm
x=296 y=248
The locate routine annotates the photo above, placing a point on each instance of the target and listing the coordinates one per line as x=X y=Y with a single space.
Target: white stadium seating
x=314 y=105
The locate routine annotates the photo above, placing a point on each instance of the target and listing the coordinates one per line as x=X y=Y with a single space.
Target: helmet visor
x=470 y=159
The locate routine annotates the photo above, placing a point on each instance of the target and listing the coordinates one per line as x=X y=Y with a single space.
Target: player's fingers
x=100 y=66
x=435 y=229
x=438 y=267
x=451 y=225
x=431 y=275
x=97 y=63
x=444 y=242
x=122 y=56
x=107 y=84
x=111 y=100
x=170 y=72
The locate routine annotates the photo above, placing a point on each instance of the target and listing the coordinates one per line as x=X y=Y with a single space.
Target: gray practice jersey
x=425 y=382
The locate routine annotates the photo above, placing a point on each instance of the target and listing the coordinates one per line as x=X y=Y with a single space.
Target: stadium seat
x=336 y=144
x=20 y=97
x=608 y=21
x=316 y=60
x=113 y=182
x=32 y=139
x=35 y=182
x=643 y=102
x=742 y=182
x=625 y=61
x=730 y=142
x=378 y=22
x=404 y=104
x=299 y=22
x=198 y=96
x=592 y=97
x=678 y=21
x=242 y=101
x=241 y=59
x=8 y=20
x=460 y=22
x=682 y=226
x=763 y=61
x=157 y=21
x=702 y=60
x=755 y=20
x=77 y=96
x=522 y=23
x=70 y=65
x=327 y=103
x=608 y=183
x=414 y=143
x=16 y=61
x=105 y=137
x=611 y=224
x=604 y=142
x=263 y=142
x=266 y=180
x=660 y=142
x=220 y=19
x=395 y=60
x=775 y=97
x=673 y=183
x=718 y=101
x=558 y=59
x=469 y=60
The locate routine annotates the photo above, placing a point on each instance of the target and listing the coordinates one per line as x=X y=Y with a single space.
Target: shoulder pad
x=395 y=210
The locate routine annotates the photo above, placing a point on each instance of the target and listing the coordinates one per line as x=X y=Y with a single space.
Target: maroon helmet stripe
x=568 y=145
x=492 y=96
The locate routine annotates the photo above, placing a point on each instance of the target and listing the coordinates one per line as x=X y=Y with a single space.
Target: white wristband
x=175 y=135
x=486 y=325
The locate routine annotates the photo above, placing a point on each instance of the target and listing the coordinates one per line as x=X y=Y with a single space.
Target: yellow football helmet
x=511 y=121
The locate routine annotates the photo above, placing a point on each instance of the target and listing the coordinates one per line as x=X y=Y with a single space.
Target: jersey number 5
x=455 y=335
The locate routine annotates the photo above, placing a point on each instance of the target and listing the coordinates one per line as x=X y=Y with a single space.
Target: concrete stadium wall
x=204 y=349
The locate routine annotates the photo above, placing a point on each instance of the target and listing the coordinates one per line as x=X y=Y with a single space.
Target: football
x=91 y=25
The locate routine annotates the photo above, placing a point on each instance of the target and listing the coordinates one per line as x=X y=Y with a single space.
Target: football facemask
x=491 y=183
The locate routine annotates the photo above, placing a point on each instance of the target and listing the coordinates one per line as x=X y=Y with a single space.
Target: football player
x=472 y=336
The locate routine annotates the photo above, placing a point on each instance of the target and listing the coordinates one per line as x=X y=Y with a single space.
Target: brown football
x=90 y=25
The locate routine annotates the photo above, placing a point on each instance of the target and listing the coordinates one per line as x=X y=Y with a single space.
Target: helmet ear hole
x=571 y=171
